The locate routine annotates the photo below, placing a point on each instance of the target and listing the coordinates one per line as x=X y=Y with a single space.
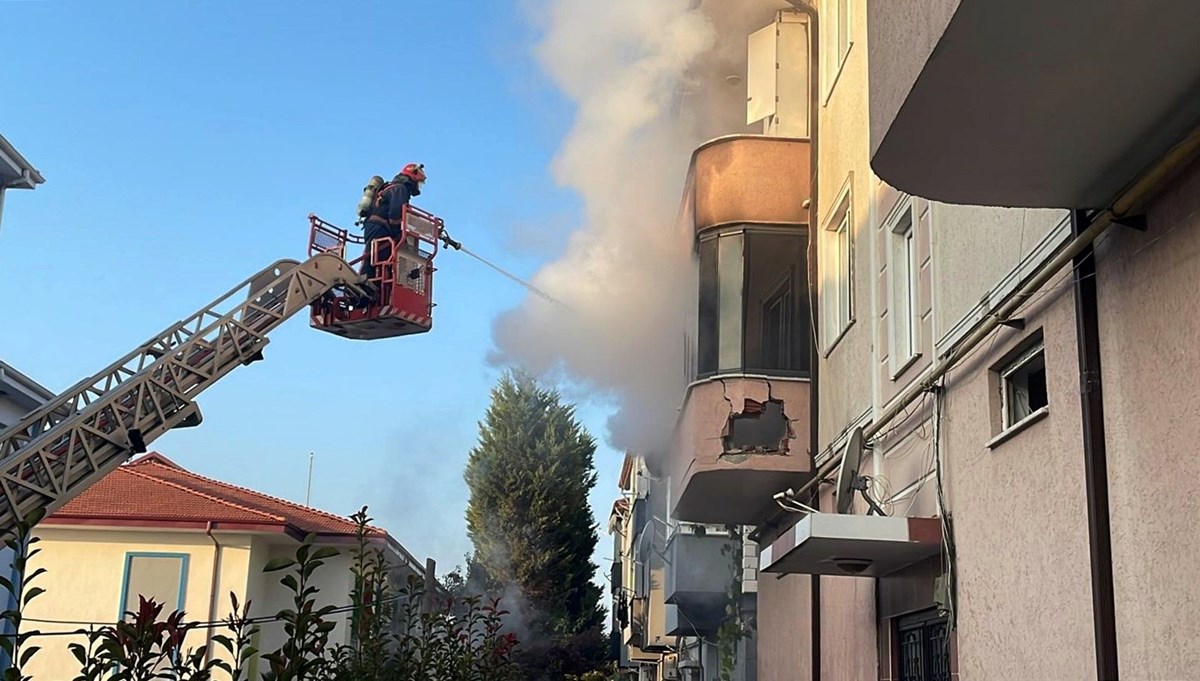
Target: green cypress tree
x=528 y=517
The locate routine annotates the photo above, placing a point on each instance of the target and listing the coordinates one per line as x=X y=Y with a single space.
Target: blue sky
x=183 y=146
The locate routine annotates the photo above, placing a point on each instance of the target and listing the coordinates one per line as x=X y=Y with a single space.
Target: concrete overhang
x=852 y=545
x=15 y=171
x=1029 y=103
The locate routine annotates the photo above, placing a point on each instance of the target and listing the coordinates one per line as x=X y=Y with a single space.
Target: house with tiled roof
x=152 y=528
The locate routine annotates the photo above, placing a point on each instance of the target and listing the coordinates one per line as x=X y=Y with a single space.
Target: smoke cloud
x=626 y=279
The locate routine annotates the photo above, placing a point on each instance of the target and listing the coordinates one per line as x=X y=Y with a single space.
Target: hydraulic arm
x=57 y=451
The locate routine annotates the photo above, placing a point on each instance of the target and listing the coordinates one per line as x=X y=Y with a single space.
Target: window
x=158 y=576
x=838 y=266
x=1023 y=386
x=923 y=644
x=836 y=40
x=903 y=310
x=754 y=312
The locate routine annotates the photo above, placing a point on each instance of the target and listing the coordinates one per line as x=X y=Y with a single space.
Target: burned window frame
x=714 y=348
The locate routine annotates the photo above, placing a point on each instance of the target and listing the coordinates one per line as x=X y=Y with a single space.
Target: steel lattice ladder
x=58 y=450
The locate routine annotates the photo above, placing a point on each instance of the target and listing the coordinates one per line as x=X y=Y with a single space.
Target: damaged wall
x=711 y=484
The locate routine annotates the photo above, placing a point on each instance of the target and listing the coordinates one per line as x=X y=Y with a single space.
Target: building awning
x=1029 y=103
x=852 y=545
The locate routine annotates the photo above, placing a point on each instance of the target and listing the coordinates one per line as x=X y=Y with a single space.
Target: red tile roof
x=155 y=491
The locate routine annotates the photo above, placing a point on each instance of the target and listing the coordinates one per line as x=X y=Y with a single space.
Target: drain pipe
x=214 y=589
x=814 y=363
x=1095 y=456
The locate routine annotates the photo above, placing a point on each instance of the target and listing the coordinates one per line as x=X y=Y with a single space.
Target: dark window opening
x=1024 y=386
x=777 y=344
x=924 y=647
x=754 y=314
x=761 y=427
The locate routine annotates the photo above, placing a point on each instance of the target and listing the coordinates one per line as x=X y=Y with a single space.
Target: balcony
x=852 y=545
x=739 y=440
x=750 y=179
x=1028 y=103
x=700 y=571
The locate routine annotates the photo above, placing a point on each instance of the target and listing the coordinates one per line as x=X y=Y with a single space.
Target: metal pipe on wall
x=1095 y=457
x=814 y=252
x=214 y=589
x=1130 y=199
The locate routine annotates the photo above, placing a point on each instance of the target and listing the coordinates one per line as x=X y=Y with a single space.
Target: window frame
x=1035 y=351
x=902 y=250
x=781 y=292
x=837 y=303
x=717 y=323
x=837 y=41
x=184 y=559
x=1019 y=357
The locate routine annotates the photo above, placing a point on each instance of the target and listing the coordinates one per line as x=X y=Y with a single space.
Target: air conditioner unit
x=777 y=76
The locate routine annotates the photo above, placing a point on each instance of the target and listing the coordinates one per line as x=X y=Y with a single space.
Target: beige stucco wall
x=784 y=633
x=1150 y=347
x=843 y=159
x=86 y=567
x=334 y=581
x=85 y=571
x=1019 y=517
x=975 y=248
x=709 y=486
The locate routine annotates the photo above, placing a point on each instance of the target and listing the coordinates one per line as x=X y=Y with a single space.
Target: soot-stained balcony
x=743 y=431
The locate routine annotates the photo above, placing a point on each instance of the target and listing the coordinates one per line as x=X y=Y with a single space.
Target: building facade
x=18 y=393
x=943 y=374
x=153 y=529
x=684 y=594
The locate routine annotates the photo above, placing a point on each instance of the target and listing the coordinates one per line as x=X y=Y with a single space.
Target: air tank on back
x=368 y=197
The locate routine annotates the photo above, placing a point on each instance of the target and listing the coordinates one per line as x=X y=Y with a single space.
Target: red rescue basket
x=403 y=279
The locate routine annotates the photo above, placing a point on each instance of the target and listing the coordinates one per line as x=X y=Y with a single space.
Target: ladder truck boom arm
x=77 y=438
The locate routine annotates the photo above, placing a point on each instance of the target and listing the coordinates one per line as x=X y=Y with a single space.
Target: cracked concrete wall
x=709 y=485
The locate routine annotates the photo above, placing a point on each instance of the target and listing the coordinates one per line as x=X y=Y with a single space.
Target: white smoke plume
x=626 y=274
x=627 y=279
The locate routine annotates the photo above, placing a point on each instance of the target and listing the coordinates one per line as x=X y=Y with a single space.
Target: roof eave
x=28 y=177
x=126 y=522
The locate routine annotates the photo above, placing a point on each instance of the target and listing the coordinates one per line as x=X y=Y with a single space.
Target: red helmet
x=414 y=172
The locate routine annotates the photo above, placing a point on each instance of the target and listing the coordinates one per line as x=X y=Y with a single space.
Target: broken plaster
x=760 y=427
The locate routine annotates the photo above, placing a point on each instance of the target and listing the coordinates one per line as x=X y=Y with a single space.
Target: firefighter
x=387 y=211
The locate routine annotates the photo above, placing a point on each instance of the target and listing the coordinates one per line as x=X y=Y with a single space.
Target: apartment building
x=1096 y=496
x=152 y=529
x=958 y=432
x=675 y=584
x=18 y=393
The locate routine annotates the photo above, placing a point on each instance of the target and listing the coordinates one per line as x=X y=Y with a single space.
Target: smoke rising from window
x=649 y=80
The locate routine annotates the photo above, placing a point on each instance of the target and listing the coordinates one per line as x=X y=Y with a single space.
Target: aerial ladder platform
x=60 y=449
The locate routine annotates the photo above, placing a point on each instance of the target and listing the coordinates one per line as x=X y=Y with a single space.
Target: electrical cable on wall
x=948 y=549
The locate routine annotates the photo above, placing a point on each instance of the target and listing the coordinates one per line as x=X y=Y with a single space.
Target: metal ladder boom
x=60 y=449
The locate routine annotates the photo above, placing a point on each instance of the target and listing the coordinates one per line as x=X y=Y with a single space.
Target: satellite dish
x=848 y=475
